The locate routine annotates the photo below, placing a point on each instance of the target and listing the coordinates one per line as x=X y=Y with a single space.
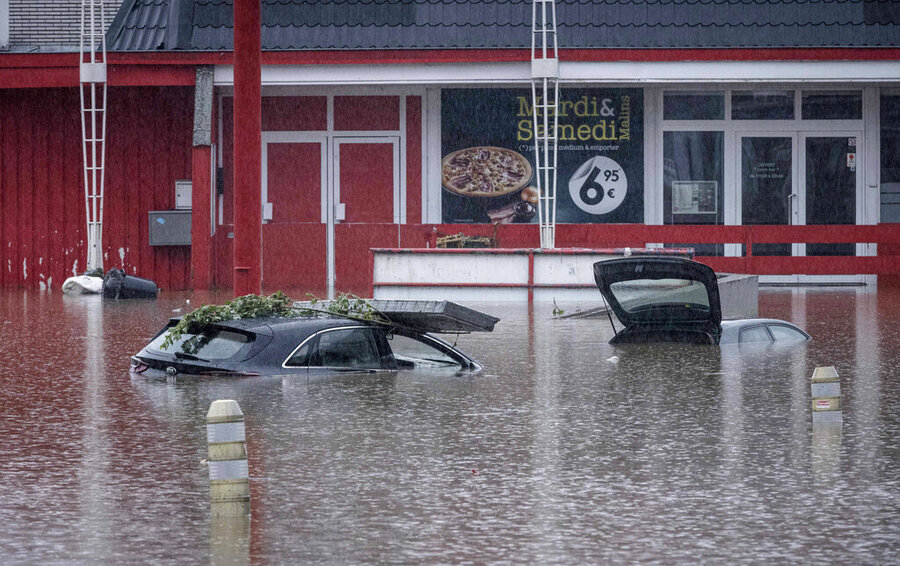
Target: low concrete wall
x=491 y=274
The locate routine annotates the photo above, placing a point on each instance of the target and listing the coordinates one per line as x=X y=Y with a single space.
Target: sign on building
x=487 y=146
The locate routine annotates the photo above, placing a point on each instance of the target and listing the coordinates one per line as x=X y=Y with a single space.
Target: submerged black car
x=320 y=344
x=673 y=299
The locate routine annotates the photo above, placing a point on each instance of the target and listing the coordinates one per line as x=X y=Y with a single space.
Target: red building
x=749 y=133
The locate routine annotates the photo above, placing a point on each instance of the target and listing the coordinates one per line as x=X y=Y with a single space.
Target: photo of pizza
x=485 y=171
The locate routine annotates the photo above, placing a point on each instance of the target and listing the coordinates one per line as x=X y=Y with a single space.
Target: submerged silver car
x=673 y=299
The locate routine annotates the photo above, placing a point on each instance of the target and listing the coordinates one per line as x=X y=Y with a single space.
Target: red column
x=201 y=241
x=247 y=149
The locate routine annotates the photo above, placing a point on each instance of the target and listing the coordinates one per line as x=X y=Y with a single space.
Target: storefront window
x=693 y=182
x=693 y=177
x=693 y=105
x=890 y=158
x=762 y=105
x=832 y=105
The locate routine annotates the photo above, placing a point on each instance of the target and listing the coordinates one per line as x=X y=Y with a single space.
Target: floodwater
x=554 y=454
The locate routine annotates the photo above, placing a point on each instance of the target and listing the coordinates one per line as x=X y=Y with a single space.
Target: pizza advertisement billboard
x=488 y=171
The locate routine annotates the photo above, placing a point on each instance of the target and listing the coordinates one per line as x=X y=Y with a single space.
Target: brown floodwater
x=564 y=450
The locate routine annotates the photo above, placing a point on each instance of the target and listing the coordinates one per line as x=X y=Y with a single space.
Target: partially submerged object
x=318 y=343
x=119 y=285
x=83 y=285
x=673 y=299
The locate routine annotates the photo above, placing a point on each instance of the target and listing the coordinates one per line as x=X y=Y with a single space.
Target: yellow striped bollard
x=229 y=477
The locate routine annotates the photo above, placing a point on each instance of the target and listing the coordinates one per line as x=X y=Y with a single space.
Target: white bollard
x=229 y=477
x=826 y=396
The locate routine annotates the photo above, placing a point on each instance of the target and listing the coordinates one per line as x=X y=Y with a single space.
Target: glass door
x=767 y=173
x=830 y=180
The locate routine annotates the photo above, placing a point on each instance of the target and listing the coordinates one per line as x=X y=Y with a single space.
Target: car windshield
x=637 y=295
x=210 y=344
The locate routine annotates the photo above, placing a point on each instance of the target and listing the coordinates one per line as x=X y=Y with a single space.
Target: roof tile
x=448 y=24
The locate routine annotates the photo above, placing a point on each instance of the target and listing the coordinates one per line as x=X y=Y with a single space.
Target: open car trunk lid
x=429 y=316
x=666 y=298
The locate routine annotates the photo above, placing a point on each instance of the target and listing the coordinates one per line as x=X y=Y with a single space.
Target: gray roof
x=294 y=25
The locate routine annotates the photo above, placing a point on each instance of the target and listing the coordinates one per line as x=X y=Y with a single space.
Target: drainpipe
x=247 y=149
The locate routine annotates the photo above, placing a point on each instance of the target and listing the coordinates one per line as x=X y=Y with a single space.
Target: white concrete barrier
x=493 y=274
x=229 y=476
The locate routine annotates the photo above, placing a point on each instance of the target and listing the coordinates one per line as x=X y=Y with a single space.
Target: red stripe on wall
x=143 y=75
x=37 y=77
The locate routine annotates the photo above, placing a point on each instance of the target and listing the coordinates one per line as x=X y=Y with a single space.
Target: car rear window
x=641 y=294
x=209 y=344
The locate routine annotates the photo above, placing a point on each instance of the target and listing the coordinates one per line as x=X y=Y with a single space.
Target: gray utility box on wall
x=170 y=227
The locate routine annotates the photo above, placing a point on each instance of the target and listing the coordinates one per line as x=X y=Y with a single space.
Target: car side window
x=415 y=352
x=755 y=334
x=347 y=348
x=784 y=333
x=300 y=358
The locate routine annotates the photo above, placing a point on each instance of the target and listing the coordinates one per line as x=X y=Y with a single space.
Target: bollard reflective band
x=829 y=389
x=228 y=470
x=225 y=432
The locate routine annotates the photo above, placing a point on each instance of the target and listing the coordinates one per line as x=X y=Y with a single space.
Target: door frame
x=295 y=137
x=859 y=213
x=291 y=137
x=796 y=216
x=335 y=208
x=329 y=144
x=798 y=204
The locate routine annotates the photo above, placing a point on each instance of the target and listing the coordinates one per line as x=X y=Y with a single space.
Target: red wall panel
x=367 y=181
x=294 y=113
x=294 y=259
x=353 y=273
x=42 y=183
x=366 y=113
x=295 y=182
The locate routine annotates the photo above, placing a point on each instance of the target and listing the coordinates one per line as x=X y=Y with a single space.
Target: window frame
x=765 y=328
x=313 y=341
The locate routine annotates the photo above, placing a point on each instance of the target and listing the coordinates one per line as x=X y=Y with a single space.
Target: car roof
x=276 y=323
x=732 y=328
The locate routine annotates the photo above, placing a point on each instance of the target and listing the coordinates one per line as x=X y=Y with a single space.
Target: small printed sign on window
x=851 y=161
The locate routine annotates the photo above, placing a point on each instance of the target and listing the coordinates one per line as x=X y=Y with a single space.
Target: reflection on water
x=668 y=453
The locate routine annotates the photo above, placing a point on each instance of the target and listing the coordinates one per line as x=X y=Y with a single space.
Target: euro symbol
x=611 y=193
